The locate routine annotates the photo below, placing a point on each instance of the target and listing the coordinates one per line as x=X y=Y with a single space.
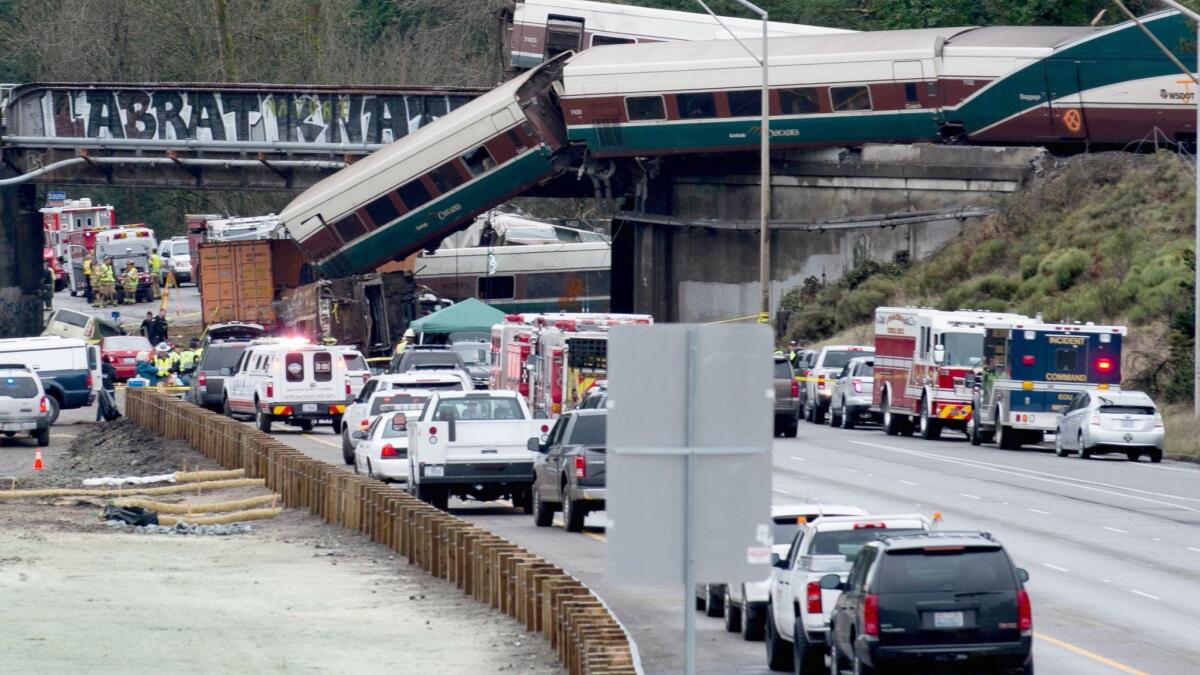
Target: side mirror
x=226 y=372
x=970 y=379
x=939 y=354
x=831 y=582
x=358 y=435
x=1022 y=574
x=533 y=445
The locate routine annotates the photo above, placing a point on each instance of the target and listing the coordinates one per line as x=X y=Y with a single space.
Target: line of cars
x=847 y=588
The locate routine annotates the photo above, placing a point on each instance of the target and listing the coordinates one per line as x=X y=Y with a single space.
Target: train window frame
x=446 y=177
x=599 y=40
x=738 y=109
x=558 y=27
x=495 y=287
x=521 y=141
x=793 y=95
x=352 y=227
x=706 y=97
x=641 y=117
x=833 y=100
x=379 y=209
x=477 y=166
x=414 y=194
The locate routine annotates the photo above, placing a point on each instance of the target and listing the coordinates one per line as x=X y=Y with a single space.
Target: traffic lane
x=17 y=453
x=1089 y=592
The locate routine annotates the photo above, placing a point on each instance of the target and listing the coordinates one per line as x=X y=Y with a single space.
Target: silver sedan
x=1099 y=422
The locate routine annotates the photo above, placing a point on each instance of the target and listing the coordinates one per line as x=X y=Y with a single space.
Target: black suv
x=939 y=599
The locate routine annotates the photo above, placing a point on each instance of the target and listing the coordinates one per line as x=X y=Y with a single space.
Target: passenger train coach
x=1051 y=86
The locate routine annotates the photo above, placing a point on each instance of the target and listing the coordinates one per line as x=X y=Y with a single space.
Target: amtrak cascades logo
x=756 y=130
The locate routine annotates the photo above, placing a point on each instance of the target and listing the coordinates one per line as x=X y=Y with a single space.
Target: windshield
x=1127 y=410
x=71 y=318
x=962 y=349
x=354 y=362
x=474 y=353
x=848 y=543
x=958 y=569
x=472 y=409
x=426 y=358
x=839 y=358
x=785 y=528
x=588 y=430
x=128 y=342
x=456 y=385
x=18 y=387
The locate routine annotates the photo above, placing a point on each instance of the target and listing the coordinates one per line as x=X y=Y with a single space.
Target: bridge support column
x=21 y=243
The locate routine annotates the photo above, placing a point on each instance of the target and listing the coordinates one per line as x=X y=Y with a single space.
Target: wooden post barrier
x=489 y=568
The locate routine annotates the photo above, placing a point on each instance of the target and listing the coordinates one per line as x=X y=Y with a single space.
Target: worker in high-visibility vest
x=166 y=362
x=129 y=283
x=188 y=359
x=108 y=287
x=87 y=280
x=155 y=270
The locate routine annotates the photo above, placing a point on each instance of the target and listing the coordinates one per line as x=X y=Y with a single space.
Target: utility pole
x=764 y=196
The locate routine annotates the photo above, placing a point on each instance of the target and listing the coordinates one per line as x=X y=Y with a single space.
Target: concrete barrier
x=587 y=637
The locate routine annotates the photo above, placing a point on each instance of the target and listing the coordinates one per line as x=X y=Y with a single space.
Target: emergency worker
x=108 y=289
x=166 y=361
x=155 y=268
x=145 y=368
x=409 y=337
x=88 y=294
x=792 y=354
x=47 y=285
x=188 y=358
x=129 y=283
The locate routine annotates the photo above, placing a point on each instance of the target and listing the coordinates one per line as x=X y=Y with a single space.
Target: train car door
x=1067 y=117
x=912 y=92
x=563 y=34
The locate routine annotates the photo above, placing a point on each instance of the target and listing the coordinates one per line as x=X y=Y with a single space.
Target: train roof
x=323 y=197
x=1020 y=36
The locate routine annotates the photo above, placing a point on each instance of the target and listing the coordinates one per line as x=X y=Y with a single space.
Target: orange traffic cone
x=37 y=460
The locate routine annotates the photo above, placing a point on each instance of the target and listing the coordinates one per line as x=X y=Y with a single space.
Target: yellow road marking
x=598 y=537
x=1088 y=655
x=322 y=441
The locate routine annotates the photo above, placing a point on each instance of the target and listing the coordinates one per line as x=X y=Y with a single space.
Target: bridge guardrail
x=587 y=637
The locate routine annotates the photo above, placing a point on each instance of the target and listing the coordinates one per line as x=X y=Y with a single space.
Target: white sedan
x=382 y=450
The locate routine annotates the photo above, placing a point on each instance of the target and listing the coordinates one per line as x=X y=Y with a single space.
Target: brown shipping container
x=239 y=280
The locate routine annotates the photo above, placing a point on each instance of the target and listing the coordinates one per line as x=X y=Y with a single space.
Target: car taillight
x=363 y=424
x=1024 y=612
x=795 y=388
x=43 y=405
x=1027 y=360
x=1095 y=421
x=545 y=428
x=88 y=381
x=821 y=382
x=1104 y=364
x=870 y=526
x=388 y=451
x=1158 y=421
x=347 y=387
x=433 y=431
x=813 y=598
x=871 y=614
x=201 y=380
x=580 y=467
x=270 y=390
x=857 y=386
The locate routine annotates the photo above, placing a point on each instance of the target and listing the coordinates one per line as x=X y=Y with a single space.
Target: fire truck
x=922 y=358
x=70 y=230
x=553 y=359
x=1031 y=372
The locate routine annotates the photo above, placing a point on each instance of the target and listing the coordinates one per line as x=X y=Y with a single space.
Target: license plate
x=309 y=407
x=127 y=360
x=947 y=619
x=435 y=471
x=1127 y=424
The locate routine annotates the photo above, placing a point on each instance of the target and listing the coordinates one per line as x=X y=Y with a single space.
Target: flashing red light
x=1024 y=612
x=580 y=467
x=871 y=614
x=812 y=598
x=388 y=451
x=1104 y=364
x=363 y=424
x=870 y=526
x=545 y=428
x=1027 y=360
x=433 y=431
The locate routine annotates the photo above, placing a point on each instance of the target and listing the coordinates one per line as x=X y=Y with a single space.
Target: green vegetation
x=1104 y=238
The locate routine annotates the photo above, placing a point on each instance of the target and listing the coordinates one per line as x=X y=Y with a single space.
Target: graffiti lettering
x=178 y=114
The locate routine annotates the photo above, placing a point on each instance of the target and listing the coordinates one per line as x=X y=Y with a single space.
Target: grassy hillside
x=1105 y=238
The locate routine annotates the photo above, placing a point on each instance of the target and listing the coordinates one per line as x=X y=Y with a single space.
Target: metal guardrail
x=589 y=640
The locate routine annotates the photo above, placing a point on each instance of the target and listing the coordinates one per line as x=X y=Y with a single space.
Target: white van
x=68 y=368
x=289 y=380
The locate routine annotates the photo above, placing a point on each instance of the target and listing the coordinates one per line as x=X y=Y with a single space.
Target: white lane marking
x=1192 y=548
x=850 y=470
x=1057 y=568
x=1044 y=513
x=1058 y=480
x=798 y=459
x=1106 y=581
x=1117 y=530
x=782 y=492
x=1144 y=595
x=1166 y=468
x=909 y=482
x=963 y=494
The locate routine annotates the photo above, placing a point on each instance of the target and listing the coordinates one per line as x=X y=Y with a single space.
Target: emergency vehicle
x=123 y=245
x=922 y=358
x=1031 y=372
x=290 y=380
x=552 y=360
x=70 y=230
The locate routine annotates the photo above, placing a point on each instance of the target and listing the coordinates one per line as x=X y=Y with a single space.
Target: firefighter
x=87 y=280
x=155 y=268
x=107 y=283
x=409 y=336
x=188 y=358
x=129 y=283
x=166 y=362
x=47 y=285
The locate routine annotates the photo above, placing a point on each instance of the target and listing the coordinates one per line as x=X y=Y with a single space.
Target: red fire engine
x=70 y=232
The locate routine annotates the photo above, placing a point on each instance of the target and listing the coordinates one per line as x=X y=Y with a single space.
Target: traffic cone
x=37 y=460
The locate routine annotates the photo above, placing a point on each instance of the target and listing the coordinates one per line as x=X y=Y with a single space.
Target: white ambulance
x=290 y=380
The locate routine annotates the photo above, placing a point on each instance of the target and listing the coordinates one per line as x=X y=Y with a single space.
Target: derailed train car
x=1052 y=86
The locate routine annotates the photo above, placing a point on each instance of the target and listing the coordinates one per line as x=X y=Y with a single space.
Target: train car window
x=382 y=211
x=601 y=40
x=350 y=227
x=799 y=101
x=413 y=194
x=479 y=160
x=563 y=34
x=446 y=177
x=495 y=288
x=517 y=140
x=744 y=103
x=850 y=98
x=910 y=92
x=695 y=106
x=642 y=108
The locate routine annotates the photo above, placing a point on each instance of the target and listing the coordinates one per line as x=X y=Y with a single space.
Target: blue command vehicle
x=1031 y=373
x=69 y=368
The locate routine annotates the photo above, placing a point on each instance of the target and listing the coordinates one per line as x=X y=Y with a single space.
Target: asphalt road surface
x=1113 y=547
x=184 y=305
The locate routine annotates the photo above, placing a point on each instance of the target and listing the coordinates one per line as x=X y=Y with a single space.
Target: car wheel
x=1156 y=456
x=262 y=420
x=1027 y=668
x=1133 y=455
x=1007 y=438
x=225 y=409
x=42 y=436
x=370 y=473
x=714 y=603
x=347 y=447
x=753 y=623
x=808 y=413
x=973 y=429
x=835 y=416
x=55 y=407
x=779 y=652
x=806 y=658
x=819 y=413
x=732 y=615
x=931 y=429
x=849 y=417
x=573 y=515
x=1084 y=453
x=337 y=423
x=792 y=428
x=357 y=471
x=523 y=499
x=543 y=513
x=891 y=421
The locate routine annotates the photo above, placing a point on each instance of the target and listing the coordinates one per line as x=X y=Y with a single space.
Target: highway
x=1113 y=548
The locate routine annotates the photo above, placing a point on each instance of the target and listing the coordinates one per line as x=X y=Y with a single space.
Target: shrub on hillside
x=1068 y=266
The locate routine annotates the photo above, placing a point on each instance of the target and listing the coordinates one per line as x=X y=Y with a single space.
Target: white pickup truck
x=798 y=608
x=473 y=444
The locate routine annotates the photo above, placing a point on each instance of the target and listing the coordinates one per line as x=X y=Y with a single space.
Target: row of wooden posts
x=543 y=597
